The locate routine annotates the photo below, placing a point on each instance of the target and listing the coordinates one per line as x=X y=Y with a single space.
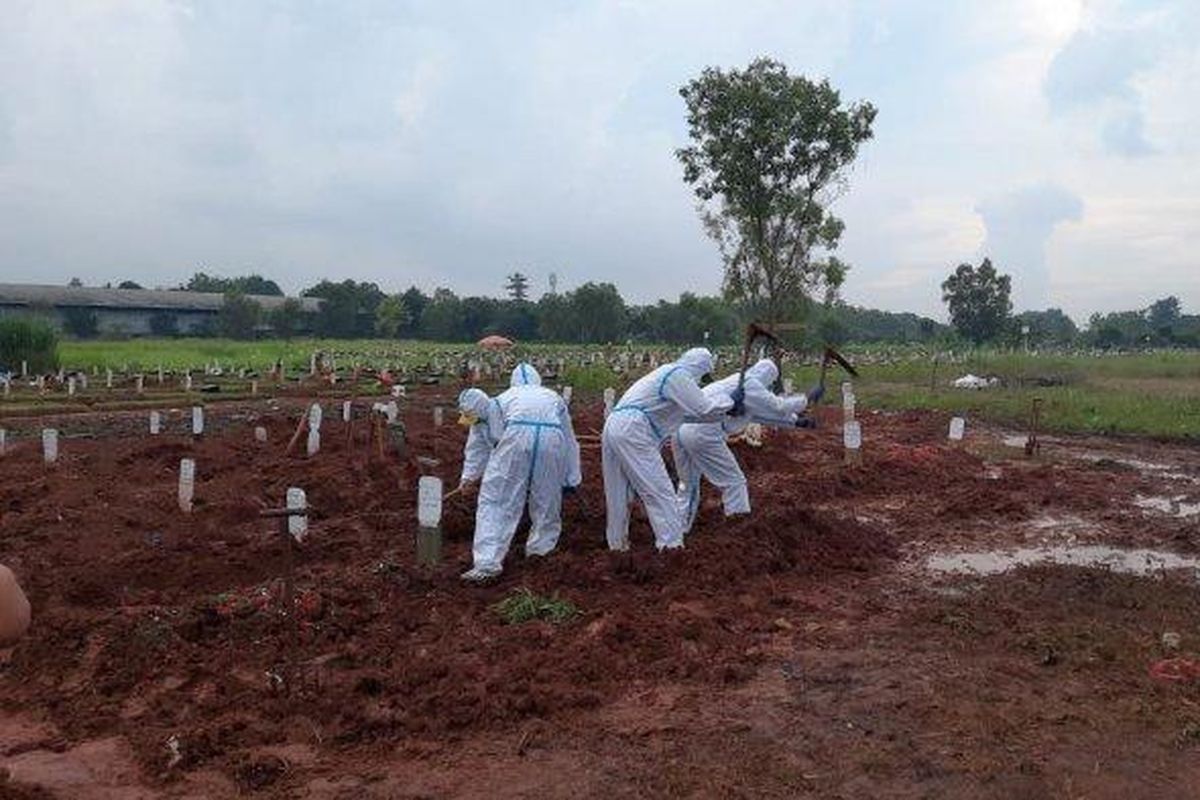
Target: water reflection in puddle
x=993 y=562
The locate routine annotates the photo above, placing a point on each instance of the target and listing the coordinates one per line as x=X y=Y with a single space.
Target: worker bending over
x=649 y=413
x=481 y=415
x=702 y=449
x=536 y=456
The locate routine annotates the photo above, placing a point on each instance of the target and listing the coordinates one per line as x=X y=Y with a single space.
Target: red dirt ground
x=794 y=652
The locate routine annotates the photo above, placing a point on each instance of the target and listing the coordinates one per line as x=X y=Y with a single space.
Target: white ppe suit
x=649 y=413
x=536 y=457
x=484 y=432
x=702 y=449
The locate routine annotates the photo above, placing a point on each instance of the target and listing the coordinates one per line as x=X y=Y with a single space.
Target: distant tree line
x=978 y=297
x=980 y=305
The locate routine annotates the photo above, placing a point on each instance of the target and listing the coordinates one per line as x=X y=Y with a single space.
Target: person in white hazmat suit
x=536 y=457
x=648 y=414
x=481 y=415
x=702 y=449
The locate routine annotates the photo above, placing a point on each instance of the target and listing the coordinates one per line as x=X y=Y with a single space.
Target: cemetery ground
x=1155 y=393
x=945 y=620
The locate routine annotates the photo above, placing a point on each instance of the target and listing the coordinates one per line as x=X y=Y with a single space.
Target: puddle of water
x=993 y=562
x=1173 y=506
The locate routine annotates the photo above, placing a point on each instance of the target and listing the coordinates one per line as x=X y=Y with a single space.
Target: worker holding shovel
x=702 y=449
x=535 y=458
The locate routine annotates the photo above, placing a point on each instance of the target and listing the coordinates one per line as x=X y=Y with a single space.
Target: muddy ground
x=809 y=650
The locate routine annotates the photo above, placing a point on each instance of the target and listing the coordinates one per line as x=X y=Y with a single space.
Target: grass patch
x=592 y=379
x=1146 y=394
x=523 y=605
x=1085 y=408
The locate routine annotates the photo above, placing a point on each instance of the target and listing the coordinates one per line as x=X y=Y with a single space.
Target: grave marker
x=429 y=520
x=187 y=484
x=49 y=445
x=852 y=439
x=297 y=523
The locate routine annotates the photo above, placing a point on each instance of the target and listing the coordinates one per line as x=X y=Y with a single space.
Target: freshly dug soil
x=152 y=624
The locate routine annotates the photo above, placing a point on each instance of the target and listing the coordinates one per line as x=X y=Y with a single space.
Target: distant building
x=131 y=312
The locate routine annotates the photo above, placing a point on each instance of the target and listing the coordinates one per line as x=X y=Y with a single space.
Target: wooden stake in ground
x=1032 y=445
x=301 y=427
x=289 y=584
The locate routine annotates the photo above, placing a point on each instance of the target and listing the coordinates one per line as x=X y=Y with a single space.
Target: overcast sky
x=448 y=143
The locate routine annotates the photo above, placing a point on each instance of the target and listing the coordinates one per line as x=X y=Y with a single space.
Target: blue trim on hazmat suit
x=535 y=457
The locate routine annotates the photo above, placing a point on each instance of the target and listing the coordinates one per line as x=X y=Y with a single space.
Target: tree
x=598 y=313
x=288 y=318
x=769 y=152
x=517 y=286
x=442 y=319
x=246 y=284
x=1163 y=317
x=554 y=318
x=979 y=301
x=1051 y=326
x=75 y=283
x=348 y=310
x=129 y=285
x=391 y=316
x=516 y=319
x=415 y=301
x=239 y=316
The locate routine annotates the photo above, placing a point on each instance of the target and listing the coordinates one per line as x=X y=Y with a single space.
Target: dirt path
x=812 y=650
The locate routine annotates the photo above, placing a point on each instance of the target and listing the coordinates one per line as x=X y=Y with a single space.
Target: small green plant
x=522 y=605
x=594 y=378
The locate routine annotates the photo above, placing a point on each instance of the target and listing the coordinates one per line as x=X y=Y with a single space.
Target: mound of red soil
x=153 y=624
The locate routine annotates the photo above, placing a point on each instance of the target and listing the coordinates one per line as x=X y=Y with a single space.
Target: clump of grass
x=523 y=605
x=593 y=378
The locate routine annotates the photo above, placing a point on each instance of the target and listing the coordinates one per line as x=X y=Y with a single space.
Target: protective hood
x=525 y=375
x=473 y=402
x=764 y=371
x=698 y=362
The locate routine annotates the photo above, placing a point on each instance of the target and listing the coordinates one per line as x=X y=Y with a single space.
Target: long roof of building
x=30 y=294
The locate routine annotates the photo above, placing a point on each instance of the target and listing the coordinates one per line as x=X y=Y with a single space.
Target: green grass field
x=1152 y=394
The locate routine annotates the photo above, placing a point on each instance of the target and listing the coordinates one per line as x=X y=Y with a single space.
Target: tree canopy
x=517 y=286
x=769 y=154
x=979 y=301
x=244 y=284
